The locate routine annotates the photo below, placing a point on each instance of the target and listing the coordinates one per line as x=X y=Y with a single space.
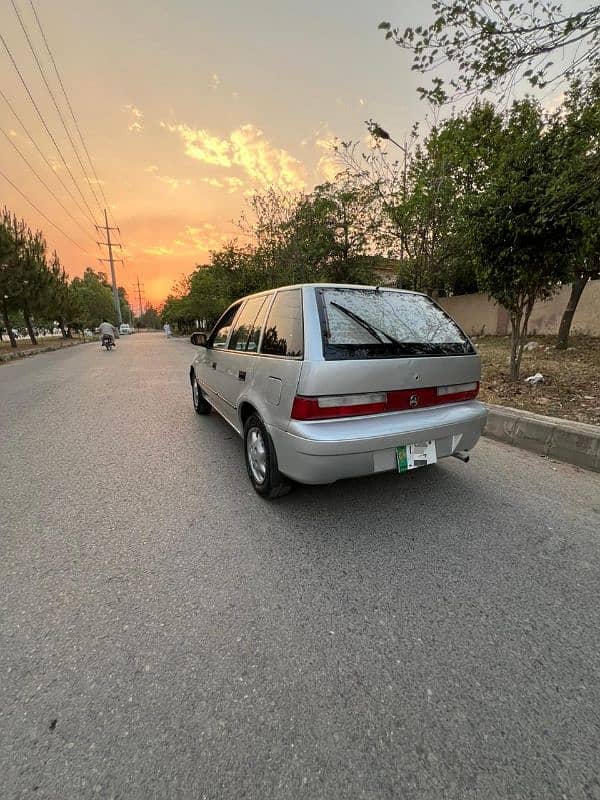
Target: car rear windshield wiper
x=366 y=325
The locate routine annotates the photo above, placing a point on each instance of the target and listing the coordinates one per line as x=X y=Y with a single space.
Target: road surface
x=165 y=633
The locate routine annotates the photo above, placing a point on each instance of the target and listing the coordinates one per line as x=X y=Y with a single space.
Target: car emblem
x=414 y=401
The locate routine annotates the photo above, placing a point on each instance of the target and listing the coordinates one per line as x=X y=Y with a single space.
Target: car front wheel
x=261 y=460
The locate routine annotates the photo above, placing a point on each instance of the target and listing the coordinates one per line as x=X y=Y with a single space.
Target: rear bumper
x=328 y=450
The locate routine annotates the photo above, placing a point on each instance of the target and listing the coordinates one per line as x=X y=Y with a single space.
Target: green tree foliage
x=93 y=299
x=522 y=227
x=327 y=235
x=25 y=276
x=126 y=313
x=495 y=44
x=149 y=319
x=577 y=125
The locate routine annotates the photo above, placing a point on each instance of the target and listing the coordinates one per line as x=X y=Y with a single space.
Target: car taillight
x=359 y=405
x=352 y=405
x=458 y=391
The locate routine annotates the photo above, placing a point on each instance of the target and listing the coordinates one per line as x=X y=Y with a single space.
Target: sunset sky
x=187 y=107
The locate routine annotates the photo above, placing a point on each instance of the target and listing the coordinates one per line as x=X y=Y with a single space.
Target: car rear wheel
x=201 y=404
x=261 y=461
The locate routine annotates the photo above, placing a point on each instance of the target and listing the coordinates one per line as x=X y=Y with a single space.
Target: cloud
x=232 y=184
x=215 y=81
x=329 y=165
x=246 y=147
x=193 y=242
x=158 y=250
x=201 y=145
x=151 y=168
x=136 y=118
x=174 y=183
x=554 y=102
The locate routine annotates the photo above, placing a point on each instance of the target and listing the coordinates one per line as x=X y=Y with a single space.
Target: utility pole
x=140 y=289
x=111 y=261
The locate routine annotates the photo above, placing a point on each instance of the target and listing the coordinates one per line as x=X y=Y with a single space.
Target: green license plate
x=412 y=456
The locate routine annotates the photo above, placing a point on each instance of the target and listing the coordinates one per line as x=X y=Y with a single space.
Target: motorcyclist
x=106 y=329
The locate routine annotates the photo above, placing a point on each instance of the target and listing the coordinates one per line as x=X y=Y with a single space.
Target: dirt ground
x=571 y=387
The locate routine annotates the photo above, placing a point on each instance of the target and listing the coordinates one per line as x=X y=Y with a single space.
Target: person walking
x=167 y=329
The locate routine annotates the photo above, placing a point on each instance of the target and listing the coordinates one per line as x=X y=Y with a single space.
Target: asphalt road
x=165 y=633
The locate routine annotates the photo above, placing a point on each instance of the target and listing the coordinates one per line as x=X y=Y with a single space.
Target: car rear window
x=379 y=323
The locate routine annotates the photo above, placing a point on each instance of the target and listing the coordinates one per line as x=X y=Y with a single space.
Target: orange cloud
x=246 y=147
x=232 y=184
x=201 y=145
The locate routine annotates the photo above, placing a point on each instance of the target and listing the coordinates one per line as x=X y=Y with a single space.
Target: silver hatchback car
x=330 y=381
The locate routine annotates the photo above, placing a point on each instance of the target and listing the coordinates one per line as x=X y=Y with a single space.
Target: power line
x=56 y=106
x=41 y=213
x=48 y=164
x=91 y=163
x=48 y=131
x=44 y=184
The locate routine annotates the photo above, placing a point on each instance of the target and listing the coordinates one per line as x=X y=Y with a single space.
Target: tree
x=149 y=319
x=93 y=298
x=578 y=123
x=348 y=225
x=62 y=303
x=7 y=246
x=25 y=275
x=124 y=304
x=521 y=225
x=495 y=44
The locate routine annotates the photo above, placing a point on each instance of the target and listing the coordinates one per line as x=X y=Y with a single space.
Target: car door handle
x=242 y=374
x=214 y=365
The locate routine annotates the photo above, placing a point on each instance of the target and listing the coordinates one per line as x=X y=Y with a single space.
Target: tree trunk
x=8 y=326
x=519 y=322
x=567 y=318
x=30 y=330
x=515 y=326
x=61 y=325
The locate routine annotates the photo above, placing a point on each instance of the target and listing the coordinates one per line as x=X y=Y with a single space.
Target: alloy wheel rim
x=257 y=455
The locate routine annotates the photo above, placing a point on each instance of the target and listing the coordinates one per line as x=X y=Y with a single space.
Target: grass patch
x=25 y=348
x=571 y=387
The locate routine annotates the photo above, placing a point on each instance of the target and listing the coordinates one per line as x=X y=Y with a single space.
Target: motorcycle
x=108 y=342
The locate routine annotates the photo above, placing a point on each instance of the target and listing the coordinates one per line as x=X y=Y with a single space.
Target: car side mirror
x=199 y=339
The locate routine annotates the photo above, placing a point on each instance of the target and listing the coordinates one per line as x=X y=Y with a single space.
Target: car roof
x=328 y=286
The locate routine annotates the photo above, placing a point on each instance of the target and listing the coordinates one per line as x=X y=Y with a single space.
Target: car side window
x=243 y=335
x=284 y=332
x=259 y=322
x=220 y=333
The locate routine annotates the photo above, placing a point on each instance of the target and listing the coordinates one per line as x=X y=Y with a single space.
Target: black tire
x=201 y=404
x=273 y=484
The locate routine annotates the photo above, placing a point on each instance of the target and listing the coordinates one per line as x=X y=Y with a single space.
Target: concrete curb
x=574 y=442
